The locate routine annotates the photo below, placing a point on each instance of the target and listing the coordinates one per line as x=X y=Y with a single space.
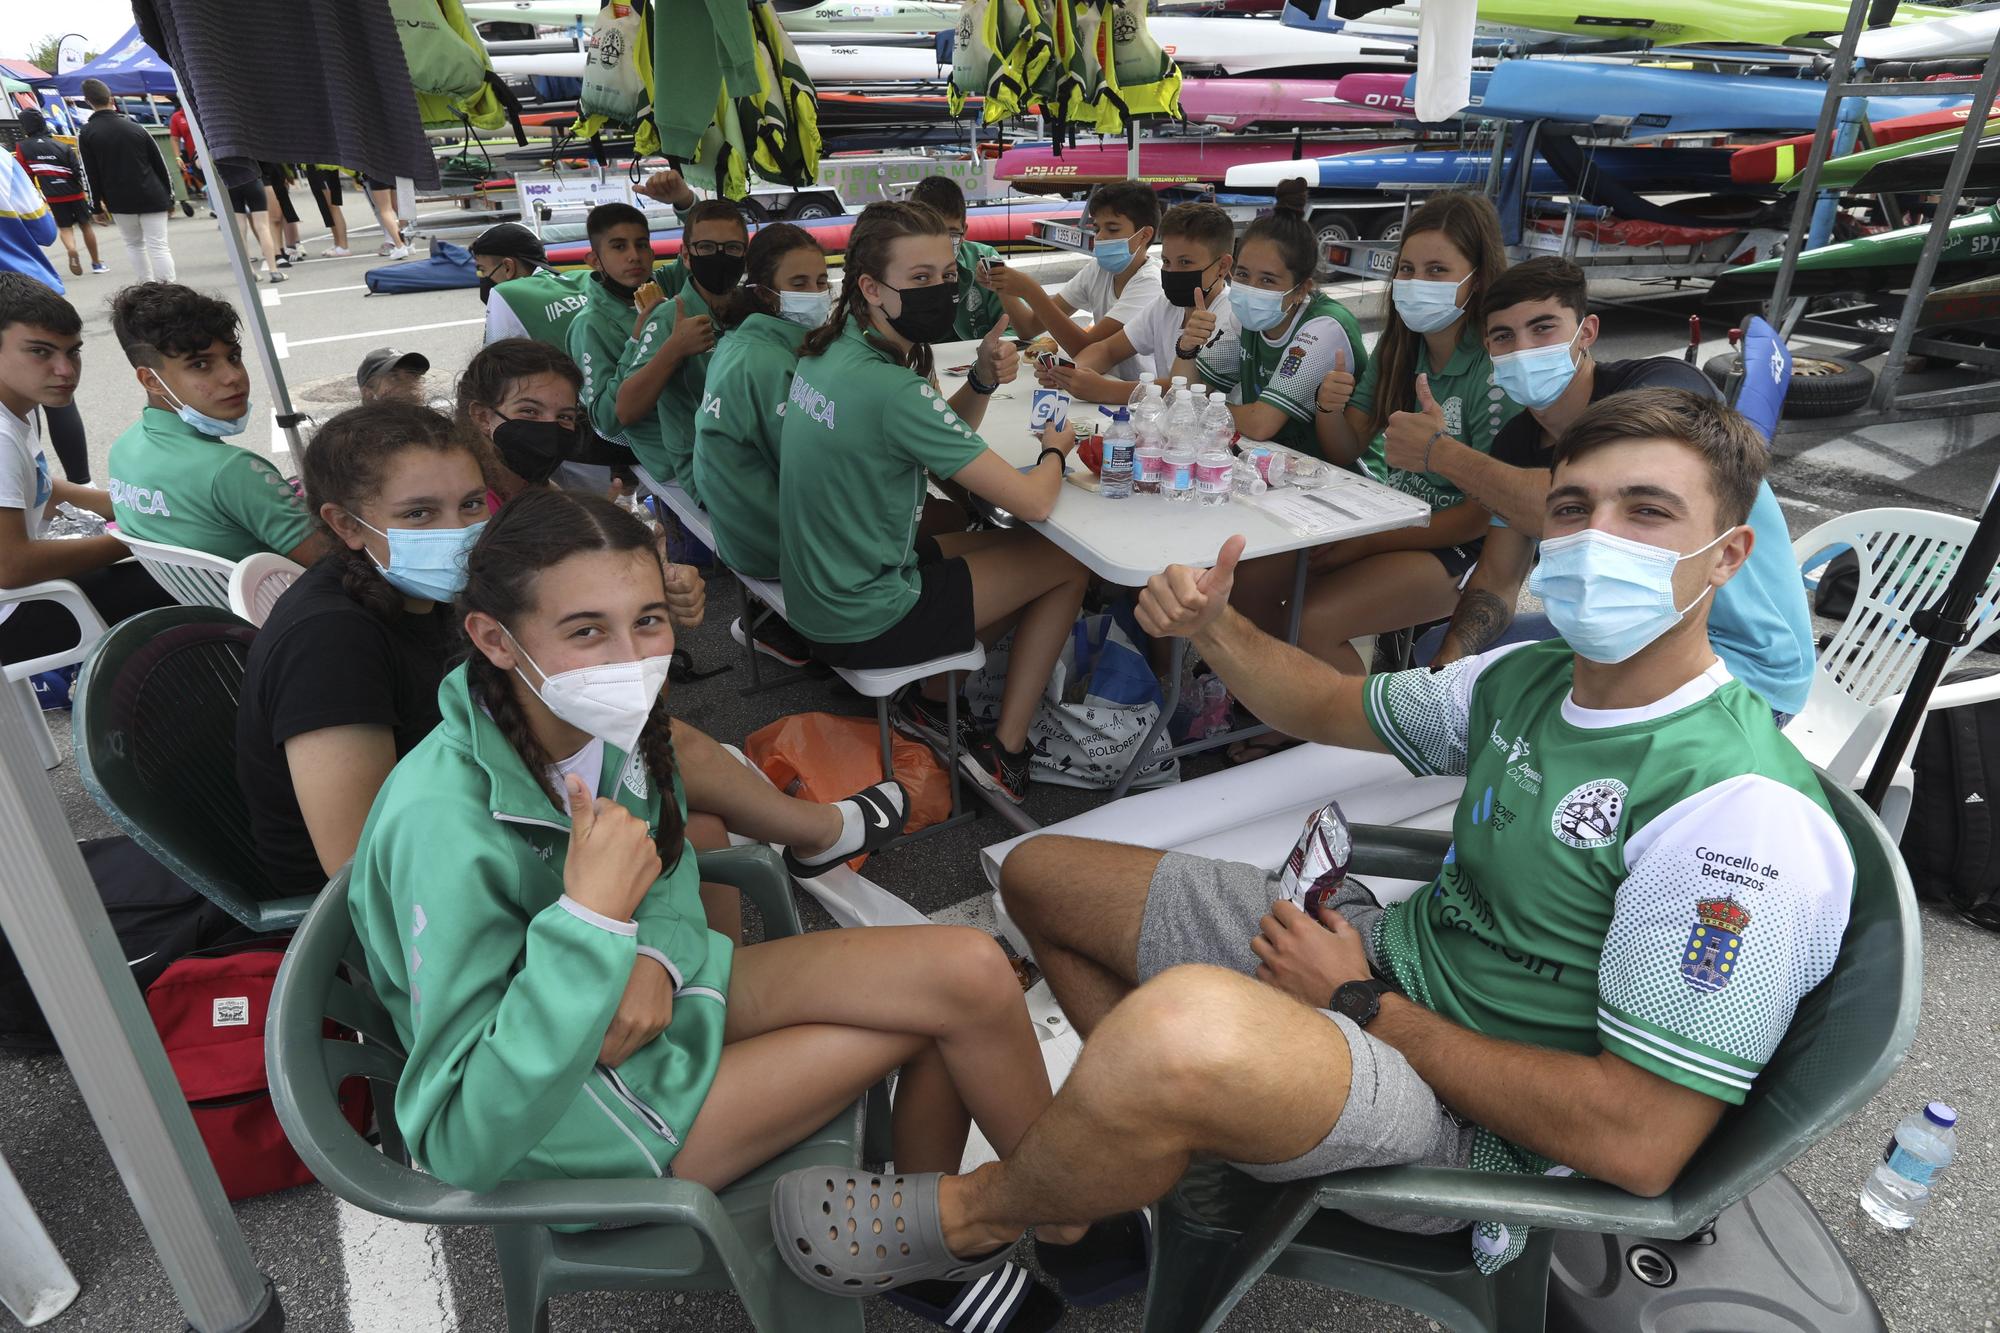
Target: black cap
x=510 y=240
x=386 y=359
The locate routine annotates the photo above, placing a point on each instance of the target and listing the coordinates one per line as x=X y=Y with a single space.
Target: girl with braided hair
x=526 y=898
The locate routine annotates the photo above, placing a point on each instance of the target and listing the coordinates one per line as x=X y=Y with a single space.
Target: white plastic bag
x=612 y=84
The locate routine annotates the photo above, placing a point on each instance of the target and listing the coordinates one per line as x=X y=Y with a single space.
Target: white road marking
x=268 y=297
x=385 y=333
x=280 y=344
x=322 y=291
x=396 y=1275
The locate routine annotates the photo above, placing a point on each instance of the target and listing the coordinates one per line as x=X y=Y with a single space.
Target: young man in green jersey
x=1645 y=879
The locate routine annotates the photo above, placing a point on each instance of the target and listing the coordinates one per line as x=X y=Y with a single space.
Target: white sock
x=854 y=826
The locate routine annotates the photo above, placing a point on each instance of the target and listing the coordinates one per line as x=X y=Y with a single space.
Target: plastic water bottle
x=1923 y=1145
x=1218 y=427
x=1114 y=476
x=1213 y=479
x=1176 y=391
x=1148 y=454
x=1182 y=430
x=1249 y=483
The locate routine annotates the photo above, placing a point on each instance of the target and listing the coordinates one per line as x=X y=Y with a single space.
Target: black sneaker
x=884 y=809
x=926 y=720
x=777 y=641
x=997 y=769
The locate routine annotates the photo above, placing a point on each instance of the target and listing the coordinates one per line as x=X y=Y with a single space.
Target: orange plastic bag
x=824 y=757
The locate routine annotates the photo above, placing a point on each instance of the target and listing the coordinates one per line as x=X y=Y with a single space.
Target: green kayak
x=1679 y=22
x=1971 y=249
x=1842 y=173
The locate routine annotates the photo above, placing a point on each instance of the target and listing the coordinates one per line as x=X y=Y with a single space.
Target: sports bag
x=612 y=86
x=210 y=1009
x=1950 y=842
x=1101 y=701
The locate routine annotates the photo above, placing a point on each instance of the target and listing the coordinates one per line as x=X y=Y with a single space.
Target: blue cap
x=1940 y=1114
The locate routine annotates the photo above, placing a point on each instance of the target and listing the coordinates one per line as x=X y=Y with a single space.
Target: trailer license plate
x=1062 y=234
x=1381 y=261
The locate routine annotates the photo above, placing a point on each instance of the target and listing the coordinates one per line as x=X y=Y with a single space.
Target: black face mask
x=1180 y=285
x=486 y=286
x=928 y=312
x=532 y=450
x=716 y=273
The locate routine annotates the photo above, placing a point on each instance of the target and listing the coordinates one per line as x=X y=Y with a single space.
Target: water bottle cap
x=1940 y=1114
x=1121 y=415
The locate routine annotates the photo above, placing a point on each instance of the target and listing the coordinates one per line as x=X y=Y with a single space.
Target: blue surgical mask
x=1427 y=306
x=1609 y=596
x=1537 y=376
x=426 y=562
x=201 y=421
x=807 y=308
x=1256 y=309
x=1113 y=256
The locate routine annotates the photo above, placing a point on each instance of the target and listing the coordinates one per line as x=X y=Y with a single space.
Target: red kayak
x=1036 y=168
x=1383 y=90
x=998 y=225
x=1779 y=160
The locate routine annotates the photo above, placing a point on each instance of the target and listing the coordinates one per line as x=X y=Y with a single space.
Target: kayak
x=1653 y=170
x=1242 y=104
x=1645 y=101
x=543 y=13
x=1388 y=91
x=1781 y=159
x=995 y=225
x=1959 y=34
x=1187 y=162
x=1758 y=23
x=824 y=63
x=1237 y=46
x=865 y=16
x=1924 y=172
x=1969 y=304
x=1971 y=248
x=1848 y=172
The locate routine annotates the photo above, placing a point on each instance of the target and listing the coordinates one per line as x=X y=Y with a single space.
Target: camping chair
x=155 y=727
x=20 y=675
x=1906 y=557
x=191 y=577
x=666 y=1234
x=256 y=584
x=1220 y=1231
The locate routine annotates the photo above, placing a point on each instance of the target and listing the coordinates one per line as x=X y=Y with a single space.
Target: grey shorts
x=1202 y=911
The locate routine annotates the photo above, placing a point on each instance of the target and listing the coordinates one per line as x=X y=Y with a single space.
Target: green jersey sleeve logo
x=1709 y=959
x=1588 y=817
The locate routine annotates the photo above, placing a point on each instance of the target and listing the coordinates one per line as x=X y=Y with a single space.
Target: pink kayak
x=1037 y=169
x=1243 y=104
x=1382 y=90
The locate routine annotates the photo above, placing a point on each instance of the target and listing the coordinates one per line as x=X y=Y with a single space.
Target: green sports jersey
x=171 y=483
x=1475 y=408
x=667 y=451
x=736 y=440
x=978 y=309
x=1664 y=883
x=599 y=336
x=859 y=435
x=546 y=302
x=1286 y=371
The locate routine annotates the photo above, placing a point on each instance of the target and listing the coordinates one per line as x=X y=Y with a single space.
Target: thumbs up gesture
x=693 y=334
x=1336 y=387
x=1199 y=326
x=1180 y=601
x=1411 y=438
x=687 y=596
x=998 y=361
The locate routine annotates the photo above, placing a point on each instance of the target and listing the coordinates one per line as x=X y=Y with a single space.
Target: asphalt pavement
x=337 y=1270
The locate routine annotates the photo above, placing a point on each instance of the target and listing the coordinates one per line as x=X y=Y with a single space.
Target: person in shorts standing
x=59 y=174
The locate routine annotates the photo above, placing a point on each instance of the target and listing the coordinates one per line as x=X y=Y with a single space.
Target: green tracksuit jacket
x=736 y=440
x=501 y=988
x=664 y=442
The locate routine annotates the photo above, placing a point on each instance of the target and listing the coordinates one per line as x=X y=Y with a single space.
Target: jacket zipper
x=654 y=1120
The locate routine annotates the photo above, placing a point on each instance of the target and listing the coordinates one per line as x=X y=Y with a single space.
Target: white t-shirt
x=1091 y=290
x=1157 y=331
x=502 y=322
x=24 y=476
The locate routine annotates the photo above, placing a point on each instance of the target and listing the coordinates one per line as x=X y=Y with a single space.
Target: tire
x=1387 y=227
x=1822 y=386
x=1332 y=229
x=812 y=206
x=752 y=211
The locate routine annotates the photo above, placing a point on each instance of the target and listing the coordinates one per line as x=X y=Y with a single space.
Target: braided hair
x=345 y=466
x=878 y=228
x=538 y=529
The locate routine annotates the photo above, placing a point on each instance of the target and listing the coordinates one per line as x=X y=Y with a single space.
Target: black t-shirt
x=324 y=660
x=1519 y=443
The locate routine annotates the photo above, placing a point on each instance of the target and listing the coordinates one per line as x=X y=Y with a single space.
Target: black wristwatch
x=1359 y=1001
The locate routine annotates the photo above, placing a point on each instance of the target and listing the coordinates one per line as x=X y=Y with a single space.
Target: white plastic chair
x=256 y=584
x=1907 y=556
x=90 y=627
x=191 y=577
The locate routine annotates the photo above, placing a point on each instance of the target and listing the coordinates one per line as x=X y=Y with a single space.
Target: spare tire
x=1822 y=386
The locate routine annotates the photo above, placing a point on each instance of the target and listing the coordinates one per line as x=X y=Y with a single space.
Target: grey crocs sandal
x=848 y=1233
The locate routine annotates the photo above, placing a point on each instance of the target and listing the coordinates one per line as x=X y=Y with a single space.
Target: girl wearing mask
x=864 y=427
x=521 y=396
x=567 y=1011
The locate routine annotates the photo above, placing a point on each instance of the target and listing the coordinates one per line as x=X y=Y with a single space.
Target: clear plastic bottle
x=1213 y=483
x=1218 y=427
x=1149 y=450
x=1182 y=430
x=1114 y=477
x=1901 y=1184
x=1176 y=391
x=1248 y=481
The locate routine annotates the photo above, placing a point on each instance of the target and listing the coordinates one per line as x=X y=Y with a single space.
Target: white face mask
x=611 y=701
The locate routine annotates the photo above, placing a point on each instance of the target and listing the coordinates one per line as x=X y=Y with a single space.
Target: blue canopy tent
x=130 y=66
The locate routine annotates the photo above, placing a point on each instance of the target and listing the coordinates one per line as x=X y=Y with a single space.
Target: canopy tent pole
x=51 y=914
x=246 y=282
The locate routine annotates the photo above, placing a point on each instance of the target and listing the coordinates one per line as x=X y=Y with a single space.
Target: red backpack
x=210 y=1008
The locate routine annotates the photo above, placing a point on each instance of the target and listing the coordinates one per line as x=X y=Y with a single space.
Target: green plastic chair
x=1219 y=1231
x=670 y=1234
x=155 y=728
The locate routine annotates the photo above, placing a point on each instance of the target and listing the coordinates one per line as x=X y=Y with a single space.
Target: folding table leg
x=35 y=1284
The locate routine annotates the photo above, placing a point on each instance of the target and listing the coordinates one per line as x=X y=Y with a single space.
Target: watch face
x=1356 y=1000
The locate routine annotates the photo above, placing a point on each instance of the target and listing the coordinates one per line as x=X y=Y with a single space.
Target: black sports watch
x=1359 y=1001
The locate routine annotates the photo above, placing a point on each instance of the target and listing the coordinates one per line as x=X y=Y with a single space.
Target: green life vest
x=546 y=302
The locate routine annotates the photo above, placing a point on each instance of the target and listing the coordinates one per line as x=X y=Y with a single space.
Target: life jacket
x=449 y=67
x=982 y=62
x=1087 y=107
x=781 y=122
x=1139 y=75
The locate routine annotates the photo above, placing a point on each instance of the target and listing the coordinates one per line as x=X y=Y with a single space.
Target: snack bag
x=1317 y=867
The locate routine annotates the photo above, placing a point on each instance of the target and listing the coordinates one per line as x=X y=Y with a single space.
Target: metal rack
x=1888 y=402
